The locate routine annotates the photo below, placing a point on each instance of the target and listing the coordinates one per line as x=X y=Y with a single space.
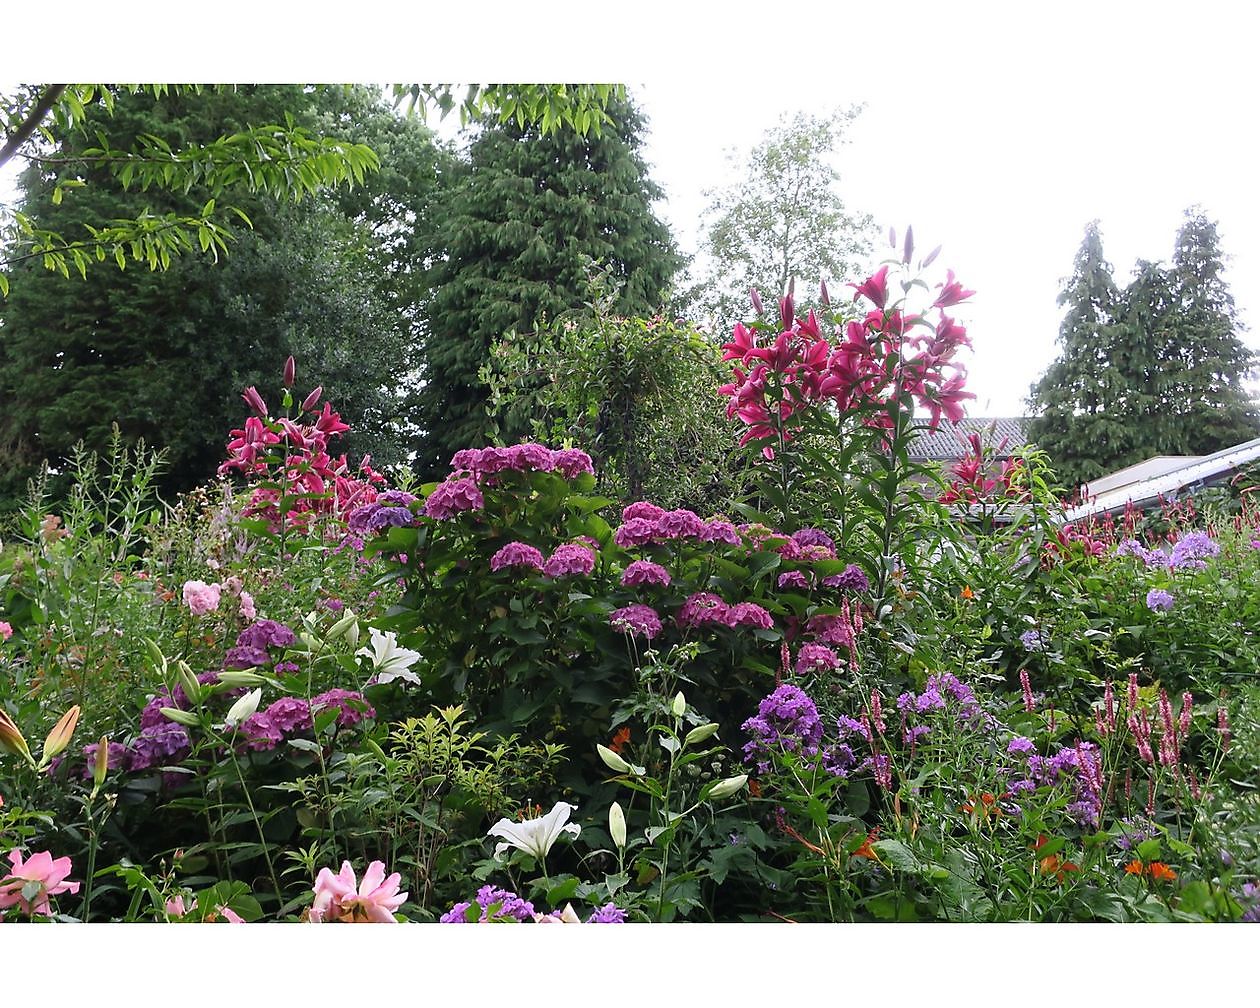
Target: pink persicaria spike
x=1026 y=687
x=1133 y=691
x=1187 y=712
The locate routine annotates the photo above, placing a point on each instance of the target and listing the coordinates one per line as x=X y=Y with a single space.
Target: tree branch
x=31 y=123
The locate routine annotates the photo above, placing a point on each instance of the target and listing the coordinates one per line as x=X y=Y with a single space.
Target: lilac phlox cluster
x=391 y=509
x=701 y=608
x=852 y=578
x=495 y=904
x=848 y=727
x=636 y=620
x=1137 y=832
x=517 y=554
x=609 y=913
x=1019 y=744
x=644 y=572
x=816 y=658
x=787 y=720
x=570 y=559
x=1149 y=557
x=944 y=691
x=1158 y=600
x=450 y=498
x=1251 y=900
x=815 y=537
x=748 y=614
x=1033 y=640
x=1192 y=551
x=838 y=760
x=1077 y=766
x=910 y=736
x=353 y=707
x=252 y=644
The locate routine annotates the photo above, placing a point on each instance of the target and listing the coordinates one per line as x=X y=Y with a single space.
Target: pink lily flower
x=374 y=901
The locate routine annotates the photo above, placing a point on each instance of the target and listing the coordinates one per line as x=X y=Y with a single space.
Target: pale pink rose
x=39 y=868
x=373 y=902
x=200 y=597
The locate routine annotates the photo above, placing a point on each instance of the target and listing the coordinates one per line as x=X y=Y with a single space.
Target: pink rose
x=200 y=597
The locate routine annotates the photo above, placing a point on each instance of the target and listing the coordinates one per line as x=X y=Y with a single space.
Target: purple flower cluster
x=157 y=746
x=353 y=707
x=815 y=537
x=701 y=608
x=643 y=522
x=570 y=559
x=1032 y=640
x=636 y=620
x=391 y=509
x=495 y=904
x=852 y=578
x=644 y=572
x=1158 y=600
x=748 y=614
x=477 y=462
x=787 y=720
x=1192 y=551
x=794 y=579
x=1077 y=766
x=830 y=629
x=609 y=913
x=1149 y=557
x=252 y=644
x=944 y=691
x=517 y=554
x=450 y=498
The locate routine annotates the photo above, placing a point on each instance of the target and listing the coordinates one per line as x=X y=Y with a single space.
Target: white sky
x=996 y=129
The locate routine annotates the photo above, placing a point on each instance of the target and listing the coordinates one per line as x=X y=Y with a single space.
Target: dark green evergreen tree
x=166 y=354
x=526 y=214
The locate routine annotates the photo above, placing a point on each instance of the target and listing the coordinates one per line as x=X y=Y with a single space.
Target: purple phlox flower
x=570 y=559
x=1158 y=600
x=609 y=913
x=496 y=905
x=848 y=726
x=644 y=572
x=816 y=658
x=838 y=760
x=1192 y=550
x=637 y=620
x=700 y=608
x=910 y=736
x=1149 y=557
x=785 y=720
x=1033 y=640
x=517 y=554
x=452 y=497
x=1019 y=744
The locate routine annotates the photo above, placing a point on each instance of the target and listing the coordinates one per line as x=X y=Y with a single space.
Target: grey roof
x=948 y=443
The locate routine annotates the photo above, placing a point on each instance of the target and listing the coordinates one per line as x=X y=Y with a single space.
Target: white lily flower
x=388 y=659
x=243 y=708
x=534 y=836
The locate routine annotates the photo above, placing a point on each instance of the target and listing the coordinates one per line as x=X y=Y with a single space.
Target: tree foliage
x=526 y=213
x=1155 y=369
x=783 y=221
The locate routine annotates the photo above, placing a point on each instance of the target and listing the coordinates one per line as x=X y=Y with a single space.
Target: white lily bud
x=181 y=716
x=243 y=708
x=342 y=626
x=679 y=705
x=617 y=825
x=726 y=788
x=612 y=760
x=188 y=682
x=235 y=678
x=700 y=733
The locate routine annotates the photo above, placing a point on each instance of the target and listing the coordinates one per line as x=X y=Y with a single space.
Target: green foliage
x=784 y=221
x=527 y=211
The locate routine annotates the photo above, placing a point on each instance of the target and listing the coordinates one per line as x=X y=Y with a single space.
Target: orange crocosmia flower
x=967 y=593
x=1056 y=866
x=620 y=740
x=754 y=787
x=1161 y=871
x=865 y=849
x=1135 y=868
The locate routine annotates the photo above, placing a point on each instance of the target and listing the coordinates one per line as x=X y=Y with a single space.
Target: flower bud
x=908 y=250
x=312 y=400
x=823 y=296
x=758 y=307
x=61 y=734
x=188 y=682
x=179 y=716
x=700 y=733
x=155 y=655
x=235 y=678
x=617 y=825
x=726 y=788
x=243 y=708
x=11 y=739
x=100 y=765
x=290 y=371
x=612 y=760
x=679 y=705
x=255 y=401
x=342 y=625
x=787 y=311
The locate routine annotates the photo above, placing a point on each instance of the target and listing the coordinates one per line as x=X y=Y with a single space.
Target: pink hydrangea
x=748 y=614
x=642 y=509
x=816 y=658
x=42 y=870
x=718 y=530
x=637 y=620
x=201 y=598
x=635 y=532
x=642 y=572
x=794 y=579
x=517 y=554
x=573 y=462
x=452 y=497
x=340 y=898
x=524 y=457
x=679 y=524
x=569 y=559
x=702 y=607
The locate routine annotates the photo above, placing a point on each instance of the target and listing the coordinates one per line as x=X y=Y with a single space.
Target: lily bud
x=312 y=400
x=617 y=825
x=756 y=303
x=726 y=788
x=786 y=311
x=61 y=734
x=243 y=708
x=255 y=401
x=235 y=678
x=11 y=739
x=700 y=733
x=342 y=625
x=290 y=371
x=931 y=257
x=100 y=766
x=612 y=760
x=679 y=705
x=188 y=682
x=823 y=296
x=908 y=250
x=183 y=717
x=892 y=237
x=155 y=655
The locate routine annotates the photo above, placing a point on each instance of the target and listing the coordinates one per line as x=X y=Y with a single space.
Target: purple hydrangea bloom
x=609 y=913
x=158 y=746
x=816 y=658
x=1158 y=600
x=830 y=629
x=814 y=537
x=290 y=715
x=637 y=620
x=524 y=457
x=569 y=559
x=794 y=579
x=517 y=554
x=354 y=708
x=266 y=633
x=852 y=578
x=642 y=509
x=748 y=614
x=496 y=904
x=573 y=462
x=452 y=497
x=257 y=732
x=642 y=572
x=681 y=524
x=635 y=532
x=700 y=608
x=717 y=530
x=786 y=720
x=118 y=758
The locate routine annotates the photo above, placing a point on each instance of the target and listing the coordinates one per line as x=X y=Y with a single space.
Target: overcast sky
x=997 y=130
